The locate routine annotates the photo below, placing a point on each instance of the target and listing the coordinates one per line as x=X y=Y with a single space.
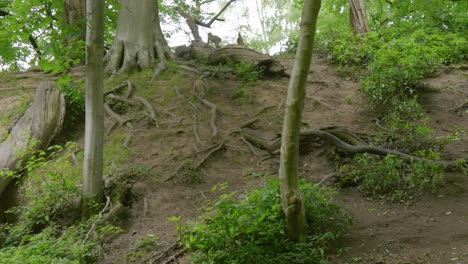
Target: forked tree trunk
x=94 y=129
x=358 y=16
x=291 y=198
x=34 y=130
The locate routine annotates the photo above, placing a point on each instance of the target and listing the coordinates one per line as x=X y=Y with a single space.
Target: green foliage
x=252 y=229
x=46 y=230
x=249 y=74
x=50 y=191
x=393 y=178
x=408 y=40
x=74 y=100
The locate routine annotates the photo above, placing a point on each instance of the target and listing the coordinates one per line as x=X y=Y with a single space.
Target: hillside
x=428 y=229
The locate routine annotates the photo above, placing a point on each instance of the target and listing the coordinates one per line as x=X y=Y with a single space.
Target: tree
x=74 y=19
x=291 y=199
x=358 y=16
x=94 y=130
x=138 y=40
x=194 y=19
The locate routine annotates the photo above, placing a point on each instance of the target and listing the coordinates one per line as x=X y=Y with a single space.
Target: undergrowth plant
x=250 y=228
x=74 y=100
x=48 y=227
x=249 y=74
x=392 y=178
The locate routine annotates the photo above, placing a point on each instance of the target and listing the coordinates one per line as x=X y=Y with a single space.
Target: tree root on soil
x=166 y=257
x=214 y=128
x=128 y=99
x=459 y=109
x=342 y=139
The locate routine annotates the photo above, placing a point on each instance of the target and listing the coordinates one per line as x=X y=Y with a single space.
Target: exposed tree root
x=129 y=99
x=195 y=132
x=160 y=68
x=351 y=149
x=459 y=108
x=214 y=128
x=343 y=140
x=166 y=256
x=116 y=89
x=120 y=119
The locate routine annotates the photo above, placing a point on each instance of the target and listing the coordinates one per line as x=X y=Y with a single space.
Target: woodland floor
x=431 y=229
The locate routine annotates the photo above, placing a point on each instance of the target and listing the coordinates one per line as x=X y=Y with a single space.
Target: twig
x=326 y=178
x=377 y=123
x=73 y=155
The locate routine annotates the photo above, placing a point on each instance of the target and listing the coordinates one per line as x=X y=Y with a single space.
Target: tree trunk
x=74 y=16
x=133 y=46
x=358 y=16
x=34 y=130
x=191 y=23
x=94 y=129
x=138 y=38
x=291 y=197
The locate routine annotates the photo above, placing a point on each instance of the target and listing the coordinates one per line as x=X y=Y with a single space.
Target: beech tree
x=291 y=198
x=94 y=130
x=139 y=39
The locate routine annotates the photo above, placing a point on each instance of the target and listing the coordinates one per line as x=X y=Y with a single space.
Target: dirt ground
x=432 y=229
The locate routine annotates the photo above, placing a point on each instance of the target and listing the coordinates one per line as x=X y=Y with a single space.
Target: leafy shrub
x=393 y=178
x=74 y=100
x=252 y=229
x=46 y=229
x=49 y=191
x=249 y=74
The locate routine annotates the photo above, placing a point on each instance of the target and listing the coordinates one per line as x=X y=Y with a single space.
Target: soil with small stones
x=431 y=229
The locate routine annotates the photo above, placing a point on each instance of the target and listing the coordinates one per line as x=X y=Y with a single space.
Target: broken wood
x=33 y=131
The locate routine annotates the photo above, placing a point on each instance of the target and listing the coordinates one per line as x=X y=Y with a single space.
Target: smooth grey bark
x=291 y=198
x=139 y=39
x=94 y=128
x=33 y=131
